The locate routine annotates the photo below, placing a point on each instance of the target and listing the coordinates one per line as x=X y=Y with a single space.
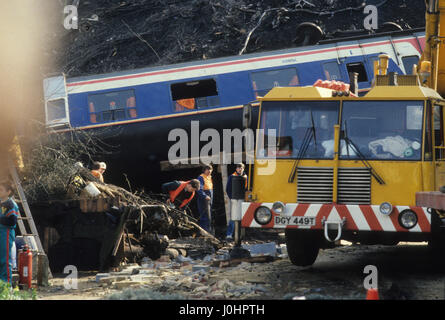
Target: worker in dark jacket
x=8 y=220
x=180 y=192
x=205 y=196
x=239 y=171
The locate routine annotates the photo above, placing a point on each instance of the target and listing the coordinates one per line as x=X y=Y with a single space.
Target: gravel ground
x=405 y=272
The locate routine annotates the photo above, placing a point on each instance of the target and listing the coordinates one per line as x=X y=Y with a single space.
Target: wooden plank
x=235 y=262
x=195 y=162
x=42 y=270
x=225 y=177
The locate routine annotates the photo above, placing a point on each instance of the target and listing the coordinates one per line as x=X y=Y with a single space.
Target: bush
x=9 y=293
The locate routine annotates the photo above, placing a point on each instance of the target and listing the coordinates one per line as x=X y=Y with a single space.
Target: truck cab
x=331 y=166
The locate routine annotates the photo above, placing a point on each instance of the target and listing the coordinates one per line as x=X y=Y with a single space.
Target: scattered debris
x=262 y=249
x=193 y=278
x=144 y=294
x=235 y=262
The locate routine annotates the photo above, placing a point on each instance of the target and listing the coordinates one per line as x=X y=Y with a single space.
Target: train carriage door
x=439 y=146
x=56 y=102
x=359 y=65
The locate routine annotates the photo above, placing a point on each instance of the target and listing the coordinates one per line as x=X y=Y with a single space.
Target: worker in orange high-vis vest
x=205 y=197
x=180 y=192
x=96 y=171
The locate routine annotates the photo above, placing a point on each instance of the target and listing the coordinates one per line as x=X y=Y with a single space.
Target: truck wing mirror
x=247 y=116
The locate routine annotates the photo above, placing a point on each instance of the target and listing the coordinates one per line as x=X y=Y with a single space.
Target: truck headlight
x=385 y=208
x=408 y=219
x=278 y=207
x=263 y=215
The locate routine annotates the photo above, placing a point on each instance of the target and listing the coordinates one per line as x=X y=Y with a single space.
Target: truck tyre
x=437 y=251
x=437 y=242
x=302 y=246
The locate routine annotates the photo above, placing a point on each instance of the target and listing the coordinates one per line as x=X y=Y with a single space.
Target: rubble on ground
x=189 y=278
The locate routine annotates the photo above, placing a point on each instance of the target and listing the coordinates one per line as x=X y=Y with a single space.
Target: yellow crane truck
x=329 y=165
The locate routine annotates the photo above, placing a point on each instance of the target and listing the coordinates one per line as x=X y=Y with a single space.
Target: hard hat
x=78 y=164
x=103 y=165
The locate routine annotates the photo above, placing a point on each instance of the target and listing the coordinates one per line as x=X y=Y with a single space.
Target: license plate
x=294 y=221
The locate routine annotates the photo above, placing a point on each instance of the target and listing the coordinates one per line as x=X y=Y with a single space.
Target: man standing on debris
x=97 y=170
x=205 y=196
x=8 y=220
x=239 y=171
x=180 y=192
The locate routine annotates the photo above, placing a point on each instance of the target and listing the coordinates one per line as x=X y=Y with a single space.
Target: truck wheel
x=437 y=242
x=437 y=252
x=302 y=247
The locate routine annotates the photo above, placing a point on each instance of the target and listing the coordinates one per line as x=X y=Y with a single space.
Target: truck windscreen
x=382 y=129
x=292 y=120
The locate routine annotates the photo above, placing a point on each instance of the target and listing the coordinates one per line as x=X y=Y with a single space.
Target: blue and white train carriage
x=136 y=109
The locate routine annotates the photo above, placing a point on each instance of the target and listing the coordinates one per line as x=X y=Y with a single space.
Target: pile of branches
x=50 y=159
x=51 y=172
x=151 y=214
x=119 y=35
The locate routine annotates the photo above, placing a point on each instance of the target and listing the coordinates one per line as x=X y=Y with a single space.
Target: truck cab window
x=390 y=130
x=438 y=131
x=428 y=135
x=292 y=121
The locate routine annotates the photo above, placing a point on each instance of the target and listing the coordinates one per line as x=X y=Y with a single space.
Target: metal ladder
x=28 y=216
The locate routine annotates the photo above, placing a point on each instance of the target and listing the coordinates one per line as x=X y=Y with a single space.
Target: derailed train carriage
x=136 y=109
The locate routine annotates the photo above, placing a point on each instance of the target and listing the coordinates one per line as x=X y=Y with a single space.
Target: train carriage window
x=194 y=95
x=358 y=67
x=56 y=109
x=332 y=71
x=112 y=106
x=263 y=81
x=409 y=62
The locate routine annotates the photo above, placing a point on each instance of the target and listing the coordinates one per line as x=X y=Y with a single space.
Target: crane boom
x=431 y=66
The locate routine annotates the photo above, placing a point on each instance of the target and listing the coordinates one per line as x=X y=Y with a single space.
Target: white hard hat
x=79 y=164
x=103 y=165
